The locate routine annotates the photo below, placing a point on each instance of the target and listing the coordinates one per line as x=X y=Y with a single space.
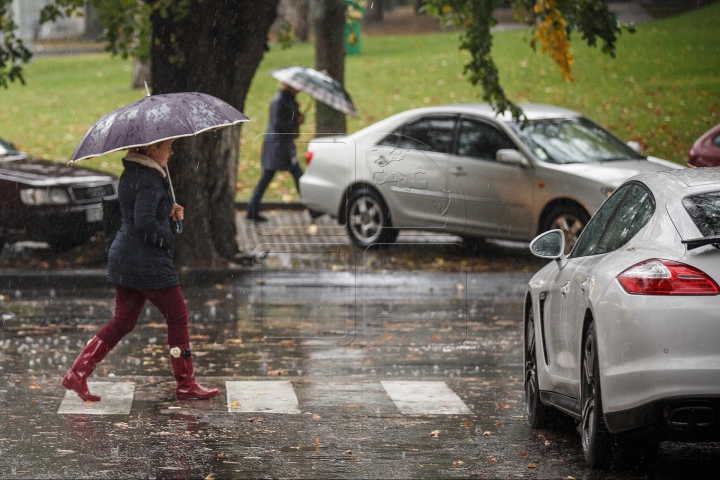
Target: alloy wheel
x=366 y=219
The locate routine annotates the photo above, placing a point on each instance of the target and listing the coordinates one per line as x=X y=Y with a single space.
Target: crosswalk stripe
x=117 y=398
x=261 y=396
x=424 y=398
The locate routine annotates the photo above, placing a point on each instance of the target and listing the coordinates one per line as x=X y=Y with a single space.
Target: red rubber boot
x=76 y=378
x=187 y=387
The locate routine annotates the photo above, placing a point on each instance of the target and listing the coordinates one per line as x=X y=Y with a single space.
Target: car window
x=572 y=140
x=391 y=140
x=704 y=209
x=631 y=215
x=716 y=141
x=433 y=134
x=480 y=140
x=616 y=222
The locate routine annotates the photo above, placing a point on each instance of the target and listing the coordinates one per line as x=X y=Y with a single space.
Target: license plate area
x=94 y=215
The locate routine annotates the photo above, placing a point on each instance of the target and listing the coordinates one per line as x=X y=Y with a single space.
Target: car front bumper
x=62 y=224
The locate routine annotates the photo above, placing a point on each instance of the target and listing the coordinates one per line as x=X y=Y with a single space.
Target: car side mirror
x=635 y=146
x=550 y=244
x=511 y=157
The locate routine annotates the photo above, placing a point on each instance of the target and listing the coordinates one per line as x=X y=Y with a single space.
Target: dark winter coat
x=141 y=254
x=278 y=150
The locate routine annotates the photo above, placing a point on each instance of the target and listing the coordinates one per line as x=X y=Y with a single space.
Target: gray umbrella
x=318 y=85
x=156 y=118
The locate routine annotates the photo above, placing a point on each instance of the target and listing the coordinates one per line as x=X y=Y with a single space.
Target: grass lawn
x=663 y=89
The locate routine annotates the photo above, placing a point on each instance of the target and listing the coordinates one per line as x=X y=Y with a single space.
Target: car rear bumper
x=693 y=418
x=320 y=194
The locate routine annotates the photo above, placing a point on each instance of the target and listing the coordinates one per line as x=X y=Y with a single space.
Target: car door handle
x=564 y=289
x=586 y=284
x=457 y=171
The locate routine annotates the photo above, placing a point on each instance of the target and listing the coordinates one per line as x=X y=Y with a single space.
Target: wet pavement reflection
x=340 y=339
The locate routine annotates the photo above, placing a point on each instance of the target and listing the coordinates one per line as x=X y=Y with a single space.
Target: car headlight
x=607 y=191
x=45 y=196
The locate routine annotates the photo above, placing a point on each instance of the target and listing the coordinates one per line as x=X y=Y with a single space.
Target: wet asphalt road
x=340 y=339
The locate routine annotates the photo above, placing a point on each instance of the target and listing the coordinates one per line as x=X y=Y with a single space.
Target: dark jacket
x=278 y=150
x=141 y=254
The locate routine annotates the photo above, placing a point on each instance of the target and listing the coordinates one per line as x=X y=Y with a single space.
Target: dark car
x=49 y=202
x=706 y=150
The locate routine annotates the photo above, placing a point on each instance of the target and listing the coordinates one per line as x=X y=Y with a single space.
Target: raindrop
x=52 y=293
x=18 y=293
x=299 y=372
x=213 y=311
x=32 y=363
x=50 y=362
x=137 y=361
x=372 y=371
x=56 y=342
x=28 y=339
x=111 y=375
x=153 y=340
x=63 y=359
x=435 y=368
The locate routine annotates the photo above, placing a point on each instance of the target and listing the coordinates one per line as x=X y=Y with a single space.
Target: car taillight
x=308 y=157
x=665 y=277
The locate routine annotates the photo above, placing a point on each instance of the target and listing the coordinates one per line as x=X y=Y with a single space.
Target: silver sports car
x=623 y=334
x=463 y=169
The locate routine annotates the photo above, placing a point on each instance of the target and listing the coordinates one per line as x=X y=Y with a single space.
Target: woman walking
x=140 y=265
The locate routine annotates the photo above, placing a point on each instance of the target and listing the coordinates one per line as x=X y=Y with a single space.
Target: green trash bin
x=353 y=26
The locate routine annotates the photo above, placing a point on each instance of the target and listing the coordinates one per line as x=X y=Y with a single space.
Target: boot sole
x=185 y=396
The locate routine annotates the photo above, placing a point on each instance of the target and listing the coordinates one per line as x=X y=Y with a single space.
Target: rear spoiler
x=694 y=243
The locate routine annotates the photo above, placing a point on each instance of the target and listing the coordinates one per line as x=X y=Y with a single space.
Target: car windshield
x=704 y=209
x=573 y=140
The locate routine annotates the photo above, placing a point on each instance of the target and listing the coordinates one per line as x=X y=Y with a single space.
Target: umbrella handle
x=178 y=226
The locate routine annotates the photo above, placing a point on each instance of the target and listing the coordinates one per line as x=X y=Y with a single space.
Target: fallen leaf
x=221 y=455
x=316 y=416
x=317 y=444
x=470 y=439
x=498 y=424
x=210 y=477
x=531 y=465
x=275 y=372
x=547 y=442
x=467 y=424
x=348 y=452
x=523 y=454
x=502 y=406
x=457 y=463
x=237 y=404
x=34 y=386
x=435 y=433
x=492 y=459
x=486 y=434
x=353 y=406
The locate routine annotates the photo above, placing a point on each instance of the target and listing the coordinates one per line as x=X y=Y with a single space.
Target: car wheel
x=596 y=440
x=368 y=219
x=571 y=219
x=539 y=414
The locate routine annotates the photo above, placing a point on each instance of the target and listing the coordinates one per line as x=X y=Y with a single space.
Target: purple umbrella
x=156 y=118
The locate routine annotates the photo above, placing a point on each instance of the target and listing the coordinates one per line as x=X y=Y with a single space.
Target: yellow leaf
x=235 y=404
x=531 y=465
x=435 y=433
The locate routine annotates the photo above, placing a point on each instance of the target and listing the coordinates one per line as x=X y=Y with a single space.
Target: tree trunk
x=214 y=48
x=330 y=57
x=375 y=11
x=141 y=74
x=302 y=16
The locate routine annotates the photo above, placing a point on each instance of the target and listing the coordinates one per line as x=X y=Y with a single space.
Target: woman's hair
x=140 y=150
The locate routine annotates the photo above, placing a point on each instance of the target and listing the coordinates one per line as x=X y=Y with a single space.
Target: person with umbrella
x=278 y=148
x=140 y=257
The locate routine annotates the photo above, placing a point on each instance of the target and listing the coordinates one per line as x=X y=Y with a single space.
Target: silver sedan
x=623 y=334
x=461 y=169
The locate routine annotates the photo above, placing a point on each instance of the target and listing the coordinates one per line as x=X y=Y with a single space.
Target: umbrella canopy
x=318 y=85
x=156 y=118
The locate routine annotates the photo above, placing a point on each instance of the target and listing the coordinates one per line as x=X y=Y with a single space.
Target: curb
x=272 y=205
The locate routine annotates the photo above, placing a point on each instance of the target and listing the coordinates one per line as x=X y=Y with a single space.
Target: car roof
x=665 y=183
x=533 y=111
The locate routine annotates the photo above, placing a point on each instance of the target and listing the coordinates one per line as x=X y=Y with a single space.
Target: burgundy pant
x=129 y=304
